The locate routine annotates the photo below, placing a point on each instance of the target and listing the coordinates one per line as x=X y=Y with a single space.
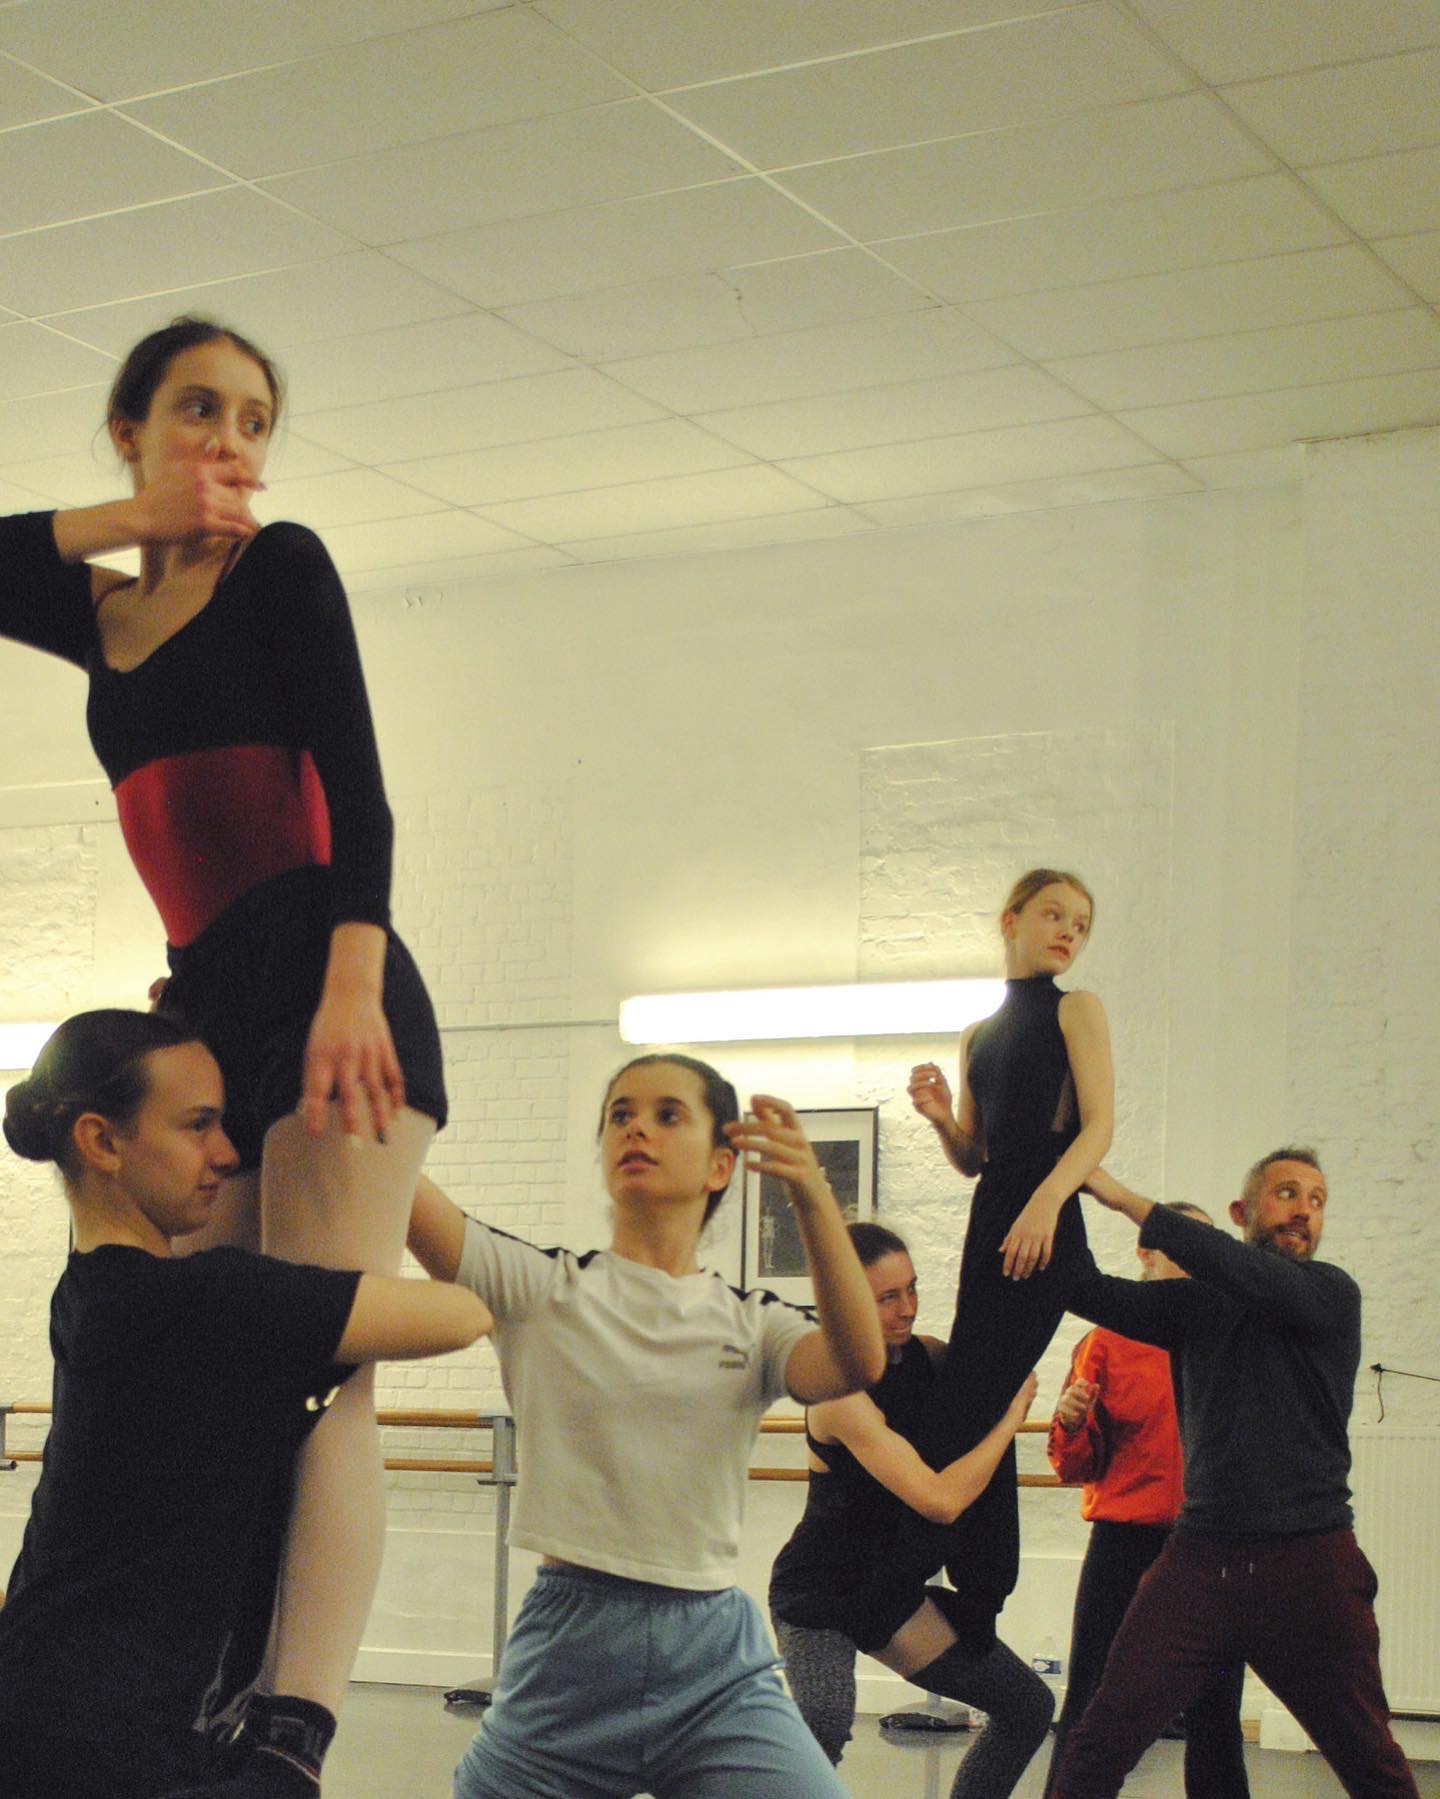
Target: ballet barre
x=499 y=1470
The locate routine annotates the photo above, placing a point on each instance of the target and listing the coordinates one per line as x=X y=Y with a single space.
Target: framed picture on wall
x=847 y=1146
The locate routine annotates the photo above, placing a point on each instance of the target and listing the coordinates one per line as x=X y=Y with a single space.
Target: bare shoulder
x=1080 y=1007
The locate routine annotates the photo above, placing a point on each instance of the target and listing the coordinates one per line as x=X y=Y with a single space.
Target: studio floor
x=401 y=1743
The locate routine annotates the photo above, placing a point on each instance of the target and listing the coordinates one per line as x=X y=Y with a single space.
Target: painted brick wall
x=1365 y=977
x=483 y=895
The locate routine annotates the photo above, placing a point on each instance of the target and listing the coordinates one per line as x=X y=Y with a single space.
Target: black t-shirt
x=138 y=1609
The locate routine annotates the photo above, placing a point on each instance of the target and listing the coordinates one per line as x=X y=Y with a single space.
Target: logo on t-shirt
x=732 y=1356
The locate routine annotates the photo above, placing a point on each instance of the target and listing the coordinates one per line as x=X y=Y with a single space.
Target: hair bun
x=30 y=1122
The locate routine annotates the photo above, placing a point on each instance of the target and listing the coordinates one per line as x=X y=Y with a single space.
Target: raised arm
x=847 y=1352
x=957 y=1123
x=437 y=1231
x=940 y=1496
x=199 y=498
x=399 y=1320
x=1087 y=1046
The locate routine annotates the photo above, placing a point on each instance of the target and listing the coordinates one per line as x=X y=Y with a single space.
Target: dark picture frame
x=847 y=1144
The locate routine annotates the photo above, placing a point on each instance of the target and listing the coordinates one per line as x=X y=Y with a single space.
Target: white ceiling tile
x=447 y=78
x=92 y=163
x=1415 y=259
x=829 y=287
x=1008 y=74
x=25 y=499
x=26 y=97
x=1145 y=234
x=354 y=497
x=1229 y=43
x=494 y=566
x=562 y=464
x=116 y=52
x=50 y=424
x=36 y=361
x=78 y=478
x=1259 y=421
x=938 y=407
x=728 y=534
x=157 y=248
x=656 y=505
x=281 y=309
x=1254 y=361
x=435 y=537
x=618 y=244
x=1250 y=468
x=508 y=172
x=1335 y=115
x=413 y=359
x=909 y=346
x=474 y=418
x=1150 y=481
x=977 y=459
x=695 y=40
x=1159 y=144
x=1152 y=309
x=293 y=457
x=1384 y=196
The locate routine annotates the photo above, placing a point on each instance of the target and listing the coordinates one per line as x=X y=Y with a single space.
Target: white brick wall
x=692 y=792
x=1365 y=976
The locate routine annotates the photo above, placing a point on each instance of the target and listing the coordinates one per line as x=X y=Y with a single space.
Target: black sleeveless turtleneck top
x=1020 y=1076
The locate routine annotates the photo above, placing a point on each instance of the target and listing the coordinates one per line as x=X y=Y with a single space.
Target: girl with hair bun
x=184 y=1388
x=864 y=1474
x=228 y=708
x=1033 y=1118
x=638 y=1381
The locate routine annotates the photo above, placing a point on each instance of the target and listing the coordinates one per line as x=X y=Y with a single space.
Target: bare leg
x=337 y=1204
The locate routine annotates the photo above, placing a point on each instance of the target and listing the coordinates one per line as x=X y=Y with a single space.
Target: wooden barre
x=403 y=1419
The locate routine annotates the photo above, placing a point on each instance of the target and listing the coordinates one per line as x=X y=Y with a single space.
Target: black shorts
x=249 y=985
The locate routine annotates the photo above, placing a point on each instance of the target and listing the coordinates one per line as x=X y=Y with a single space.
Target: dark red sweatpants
x=1299 y=1610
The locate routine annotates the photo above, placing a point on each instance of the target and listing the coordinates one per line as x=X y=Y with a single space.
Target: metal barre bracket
x=6 y=1465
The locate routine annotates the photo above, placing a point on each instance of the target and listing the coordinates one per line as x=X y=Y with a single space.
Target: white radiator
x=1396 y=1481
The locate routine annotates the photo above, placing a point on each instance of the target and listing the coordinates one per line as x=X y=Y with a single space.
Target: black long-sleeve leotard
x=242 y=747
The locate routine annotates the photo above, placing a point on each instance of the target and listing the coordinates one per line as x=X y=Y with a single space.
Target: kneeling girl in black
x=140 y=1604
x=864 y=1475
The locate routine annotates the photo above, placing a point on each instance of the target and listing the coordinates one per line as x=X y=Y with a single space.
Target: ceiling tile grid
x=563 y=281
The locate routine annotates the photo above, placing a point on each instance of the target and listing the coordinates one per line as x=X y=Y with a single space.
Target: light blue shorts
x=611 y=1687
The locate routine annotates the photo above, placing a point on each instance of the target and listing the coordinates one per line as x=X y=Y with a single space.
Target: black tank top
x=1020 y=1076
x=848 y=1513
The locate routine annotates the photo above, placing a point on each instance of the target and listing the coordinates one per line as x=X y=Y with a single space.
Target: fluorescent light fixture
x=20 y=1044
x=862 y=1009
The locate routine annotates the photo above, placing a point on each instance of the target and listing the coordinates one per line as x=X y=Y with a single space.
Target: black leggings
x=820 y=1668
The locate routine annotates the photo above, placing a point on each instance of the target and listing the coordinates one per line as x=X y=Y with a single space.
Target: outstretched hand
x=773 y=1141
x=1020 y=1405
x=350 y=1058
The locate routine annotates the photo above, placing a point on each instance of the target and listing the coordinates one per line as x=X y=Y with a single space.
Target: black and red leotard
x=242 y=755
